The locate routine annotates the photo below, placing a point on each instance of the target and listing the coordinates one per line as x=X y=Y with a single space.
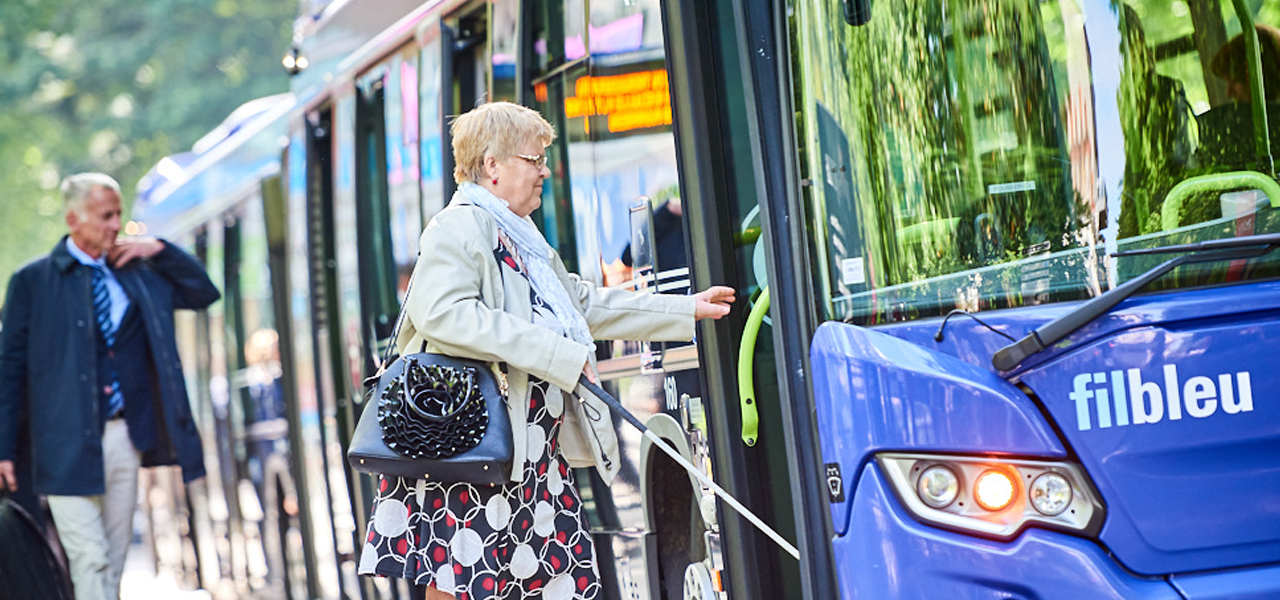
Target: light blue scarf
x=536 y=253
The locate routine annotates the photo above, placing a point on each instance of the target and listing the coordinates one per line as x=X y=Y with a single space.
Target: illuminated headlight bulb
x=938 y=486
x=994 y=490
x=1050 y=494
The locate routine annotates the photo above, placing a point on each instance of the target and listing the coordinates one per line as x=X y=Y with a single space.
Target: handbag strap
x=500 y=371
x=395 y=331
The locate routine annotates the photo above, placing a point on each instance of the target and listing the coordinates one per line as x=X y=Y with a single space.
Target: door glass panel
x=504 y=15
x=626 y=110
x=575 y=29
x=984 y=154
x=625 y=26
x=400 y=131
x=431 y=126
x=548 y=35
x=260 y=372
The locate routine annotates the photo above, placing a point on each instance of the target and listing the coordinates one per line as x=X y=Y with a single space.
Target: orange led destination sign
x=630 y=101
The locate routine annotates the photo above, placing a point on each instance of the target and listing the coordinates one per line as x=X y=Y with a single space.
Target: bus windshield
x=985 y=154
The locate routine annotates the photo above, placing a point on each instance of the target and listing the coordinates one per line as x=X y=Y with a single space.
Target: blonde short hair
x=76 y=187
x=496 y=129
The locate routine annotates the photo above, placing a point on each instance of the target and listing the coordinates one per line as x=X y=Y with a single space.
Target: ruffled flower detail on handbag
x=432 y=411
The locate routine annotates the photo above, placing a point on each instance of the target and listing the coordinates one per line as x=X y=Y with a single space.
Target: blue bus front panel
x=875 y=392
x=1175 y=421
x=1186 y=498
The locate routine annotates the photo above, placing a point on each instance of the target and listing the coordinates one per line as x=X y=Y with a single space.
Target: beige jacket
x=464 y=304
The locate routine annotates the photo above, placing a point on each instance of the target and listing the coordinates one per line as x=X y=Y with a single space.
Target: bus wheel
x=697 y=583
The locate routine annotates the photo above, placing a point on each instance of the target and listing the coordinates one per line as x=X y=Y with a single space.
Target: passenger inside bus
x=1226 y=130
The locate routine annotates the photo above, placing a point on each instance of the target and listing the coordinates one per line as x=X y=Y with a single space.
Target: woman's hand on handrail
x=713 y=302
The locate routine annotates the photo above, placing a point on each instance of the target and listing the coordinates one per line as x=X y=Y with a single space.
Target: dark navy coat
x=48 y=366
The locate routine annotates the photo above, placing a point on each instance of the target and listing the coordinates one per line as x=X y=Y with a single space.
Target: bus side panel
x=876 y=392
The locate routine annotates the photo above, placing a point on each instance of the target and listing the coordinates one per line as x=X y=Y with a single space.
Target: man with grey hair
x=89 y=362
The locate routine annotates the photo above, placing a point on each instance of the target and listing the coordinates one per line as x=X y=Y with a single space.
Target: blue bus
x=1006 y=265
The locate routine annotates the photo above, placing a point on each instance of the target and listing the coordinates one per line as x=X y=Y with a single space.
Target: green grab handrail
x=746 y=369
x=1217 y=182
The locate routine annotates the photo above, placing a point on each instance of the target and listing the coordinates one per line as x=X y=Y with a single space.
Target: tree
x=112 y=86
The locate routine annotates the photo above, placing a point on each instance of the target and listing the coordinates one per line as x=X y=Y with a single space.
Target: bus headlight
x=938 y=486
x=993 y=497
x=1050 y=494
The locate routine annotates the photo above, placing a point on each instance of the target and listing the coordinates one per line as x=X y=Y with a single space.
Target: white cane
x=688 y=466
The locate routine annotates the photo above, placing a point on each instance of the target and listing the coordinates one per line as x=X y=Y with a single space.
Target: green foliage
x=112 y=86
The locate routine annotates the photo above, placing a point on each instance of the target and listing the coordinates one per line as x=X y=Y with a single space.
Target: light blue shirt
x=119 y=300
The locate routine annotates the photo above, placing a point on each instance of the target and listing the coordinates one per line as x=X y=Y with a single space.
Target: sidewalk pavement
x=141 y=582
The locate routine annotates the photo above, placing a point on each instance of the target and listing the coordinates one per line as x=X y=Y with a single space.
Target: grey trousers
x=96 y=530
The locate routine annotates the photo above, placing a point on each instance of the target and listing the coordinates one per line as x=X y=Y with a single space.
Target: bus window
x=1191 y=113
x=965 y=154
x=198 y=556
x=551 y=41
x=389 y=248
x=256 y=386
x=504 y=14
x=256 y=353
x=625 y=25
x=431 y=126
x=404 y=193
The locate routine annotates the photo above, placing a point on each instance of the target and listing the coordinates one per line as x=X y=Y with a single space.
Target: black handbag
x=28 y=565
x=434 y=417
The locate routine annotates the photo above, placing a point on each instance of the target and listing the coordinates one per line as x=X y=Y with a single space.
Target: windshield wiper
x=1211 y=251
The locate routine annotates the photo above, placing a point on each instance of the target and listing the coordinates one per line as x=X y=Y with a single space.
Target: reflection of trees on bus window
x=941 y=148
x=963 y=153
x=1156 y=117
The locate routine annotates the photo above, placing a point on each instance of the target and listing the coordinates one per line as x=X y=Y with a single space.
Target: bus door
x=199 y=561
x=255 y=398
x=224 y=508
x=334 y=391
x=291 y=221
x=379 y=187
x=614 y=210
x=722 y=81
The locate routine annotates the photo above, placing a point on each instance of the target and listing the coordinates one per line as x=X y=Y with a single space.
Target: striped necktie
x=102 y=309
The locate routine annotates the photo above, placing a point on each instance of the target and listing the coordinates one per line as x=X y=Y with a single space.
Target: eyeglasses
x=539 y=160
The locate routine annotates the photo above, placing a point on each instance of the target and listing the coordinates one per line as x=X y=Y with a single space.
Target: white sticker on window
x=852 y=271
x=1009 y=188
